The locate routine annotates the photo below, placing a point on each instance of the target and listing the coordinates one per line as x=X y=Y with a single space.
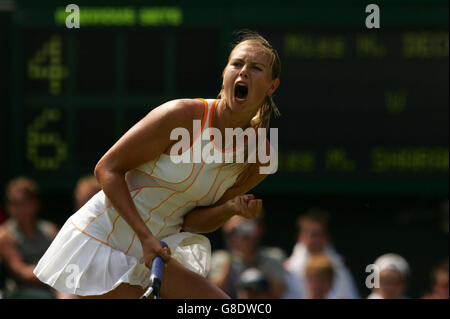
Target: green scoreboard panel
x=363 y=110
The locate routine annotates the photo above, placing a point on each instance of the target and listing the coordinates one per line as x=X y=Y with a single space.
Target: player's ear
x=274 y=86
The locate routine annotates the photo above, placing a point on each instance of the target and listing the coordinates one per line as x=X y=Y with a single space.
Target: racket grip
x=157 y=268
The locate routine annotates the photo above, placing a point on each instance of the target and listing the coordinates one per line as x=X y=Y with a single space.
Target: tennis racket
x=155 y=277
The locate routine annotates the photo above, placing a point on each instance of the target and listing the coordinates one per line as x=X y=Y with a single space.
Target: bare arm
x=143 y=142
x=233 y=202
x=13 y=260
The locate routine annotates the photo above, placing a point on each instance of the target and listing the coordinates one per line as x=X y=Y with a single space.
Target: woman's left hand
x=245 y=205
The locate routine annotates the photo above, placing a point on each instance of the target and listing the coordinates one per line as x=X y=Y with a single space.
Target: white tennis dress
x=96 y=250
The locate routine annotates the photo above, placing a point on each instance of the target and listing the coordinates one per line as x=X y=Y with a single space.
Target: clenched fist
x=245 y=205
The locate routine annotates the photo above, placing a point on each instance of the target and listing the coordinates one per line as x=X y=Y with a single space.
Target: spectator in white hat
x=394 y=272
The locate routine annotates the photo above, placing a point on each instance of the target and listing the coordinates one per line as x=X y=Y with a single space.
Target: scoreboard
x=363 y=110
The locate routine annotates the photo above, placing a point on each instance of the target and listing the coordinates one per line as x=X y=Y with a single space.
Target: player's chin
x=238 y=104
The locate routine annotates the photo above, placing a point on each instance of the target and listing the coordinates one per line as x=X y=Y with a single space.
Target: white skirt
x=78 y=264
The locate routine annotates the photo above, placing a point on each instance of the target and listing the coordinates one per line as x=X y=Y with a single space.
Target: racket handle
x=158 y=266
x=157 y=272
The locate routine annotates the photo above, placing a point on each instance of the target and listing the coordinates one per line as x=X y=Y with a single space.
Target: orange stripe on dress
x=183 y=191
x=82 y=231
x=112 y=230
x=104 y=211
x=159 y=205
x=154 y=165
x=162 y=180
x=205 y=113
x=198 y=173
x=106 y=208
x=93 y=219
x=140 y=188
x=118 y=215
x=163 y=187
x=191 y=201
x=163 y=201
x=220 y=185
x=106 y=243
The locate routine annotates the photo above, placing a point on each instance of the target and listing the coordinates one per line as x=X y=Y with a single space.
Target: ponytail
x=262 y=117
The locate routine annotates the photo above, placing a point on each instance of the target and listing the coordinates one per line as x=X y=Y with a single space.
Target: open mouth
x=241 y=91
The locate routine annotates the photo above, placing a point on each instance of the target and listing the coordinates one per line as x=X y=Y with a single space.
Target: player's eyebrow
x=251 y=62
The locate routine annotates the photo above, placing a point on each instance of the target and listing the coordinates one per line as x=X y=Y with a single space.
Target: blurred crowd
x=314 y=270
x=24 y=237
x=244 y=269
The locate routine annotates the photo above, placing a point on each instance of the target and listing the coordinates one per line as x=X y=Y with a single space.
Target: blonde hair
x=262 y=117
x=320 y=264
x=85 y=182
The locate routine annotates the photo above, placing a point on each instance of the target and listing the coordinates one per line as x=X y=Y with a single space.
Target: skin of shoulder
x=175 y=113
x=150 y=137
x=188 y=110
x=193 y=108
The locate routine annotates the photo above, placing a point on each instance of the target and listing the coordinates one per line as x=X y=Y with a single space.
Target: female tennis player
x=106 y=248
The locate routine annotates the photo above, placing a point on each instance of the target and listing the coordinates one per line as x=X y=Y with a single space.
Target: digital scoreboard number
x=81 y=94
x=45 y=147
x=360 y=111
x=373 y=105
x=46 y=70
x=45 y=73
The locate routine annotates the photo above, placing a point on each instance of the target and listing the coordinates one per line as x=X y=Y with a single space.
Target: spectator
x=313 y=239
x=319 y=275
x=24 y=239
x=87 y=186
x=253 y=284
x=242 y=237
x=394 y=273
x=439 y=282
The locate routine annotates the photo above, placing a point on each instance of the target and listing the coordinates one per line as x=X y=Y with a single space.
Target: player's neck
x=224 y=117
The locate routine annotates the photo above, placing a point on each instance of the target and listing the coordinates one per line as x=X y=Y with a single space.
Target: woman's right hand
x=245 y=205
x=152 y=247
